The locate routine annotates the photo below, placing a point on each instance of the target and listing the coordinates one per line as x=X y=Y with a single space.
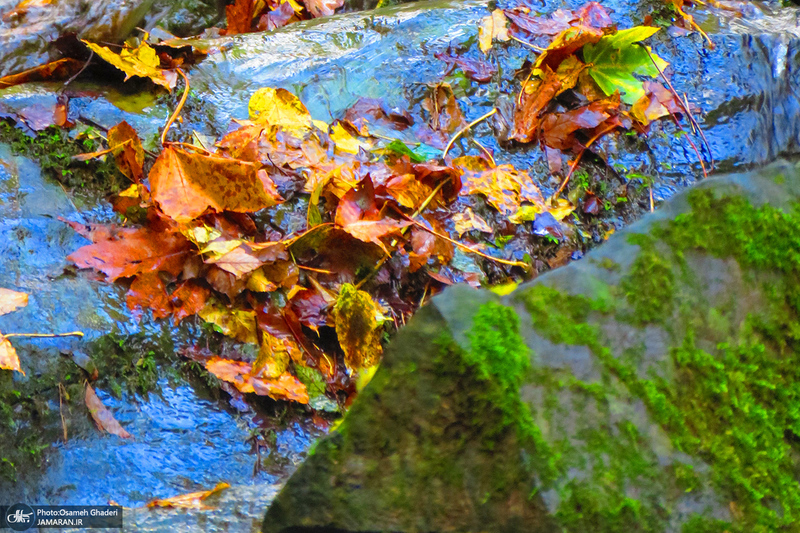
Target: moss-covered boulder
x=652 y=386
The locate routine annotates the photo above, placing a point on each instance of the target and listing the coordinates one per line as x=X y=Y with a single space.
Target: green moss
x=649 y=286
x=53 y=148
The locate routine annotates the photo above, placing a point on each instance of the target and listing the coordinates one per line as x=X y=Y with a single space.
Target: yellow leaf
x=11 y=300
x=504 y=288
x=279 y=108
x=141 y=61
x=469 y=221
x=258 y=282
x=236 y=323
x=345 y=141
x=193 y=500
x=365 y=376
x=493 y=27
x=8 y=356
x=357 y=327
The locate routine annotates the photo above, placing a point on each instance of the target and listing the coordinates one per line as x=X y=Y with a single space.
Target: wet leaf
x=60 y=69
x=345 y=140
x=279 y=108
x=193 y=500
x=355 y=317
x=130 y=251
x=358 y=216
x=558 y=129
x=469 y=221
x=616 y=58
x=239 y=16
x=141 y=61
x=186 y=184
x=11 y=301
x=493 y=28
x=128 y=151
x=148 y=291
x=407 y=190
x=239 y=373
x=188 y=299
x=102 y=417
x=477 y=70
x=247 y=257
x=657 y=102
x=322 y=8
x=237 y=323
x=277 y=18
x=8 y=356
x=502 y=186
x=528 y=213
x=536 y=96
x=565 y=44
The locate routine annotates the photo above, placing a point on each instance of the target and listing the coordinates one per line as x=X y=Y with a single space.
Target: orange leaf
x=239 y=373
x=357 y=215
x=186 y=184
x=558 y=129
x=188 y=299
x=248 y=257
x=131 y=251
x=148 y=291
x=193 y=500
x=536 y=95
x=102 y=416
x=504 y=187
x=8 y=356
x=60 y=69
x=239 y=15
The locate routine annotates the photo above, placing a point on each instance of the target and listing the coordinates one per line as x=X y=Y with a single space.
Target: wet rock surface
x=621 y=392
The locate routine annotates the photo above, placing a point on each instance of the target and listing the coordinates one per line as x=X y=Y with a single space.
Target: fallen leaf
x=355 y=318
x=657 y=102
x=186 y=184
x=148 y=291
x=493 y=28
x=322 y=8
x=239 y=16
x=141 y=61
x=615 y=59
x=193 y=500
x=558 y=129
x=60 y=69
x=346 y=141
x=469 y=221
x=11 y=301
x=504 y=187
x=535 y=97
x=477 y=70
x=239 y=373
x=247 y=257
x=239 y=324
x=277 y=18
x=357 y=215
x=102 y=417
x=8 y=356
x=128 y=151
x=279 y=108
x=131 y=251
x=188 y=299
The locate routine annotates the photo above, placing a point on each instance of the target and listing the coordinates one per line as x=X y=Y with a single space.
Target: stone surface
x=659 y=395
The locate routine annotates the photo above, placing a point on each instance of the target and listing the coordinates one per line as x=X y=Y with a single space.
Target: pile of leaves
x=244 y=16
x=308 y=242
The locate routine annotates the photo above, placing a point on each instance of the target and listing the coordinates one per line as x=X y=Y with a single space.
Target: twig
x=177 y=109
x=526 y=43
x=61 y=392
x=487 y=152
x=466 y=128
x=45 y=335
x=91 y=55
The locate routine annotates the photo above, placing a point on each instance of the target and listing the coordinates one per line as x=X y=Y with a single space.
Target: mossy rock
x=658 y=395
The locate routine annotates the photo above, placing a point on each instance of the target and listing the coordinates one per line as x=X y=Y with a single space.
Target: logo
x=20 y=517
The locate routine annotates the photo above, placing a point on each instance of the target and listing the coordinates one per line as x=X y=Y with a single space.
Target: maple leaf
x=247 y=257
x=102 y=417
x=355 y=317
x=193 y=500
x=240 y=374
x=615 y=59
x=126 y=252
x=141 y=61
x=186 y=184
x=657 y=102
x=504 y=187
x=493 y=28
x=128 y=151
x=279 y=108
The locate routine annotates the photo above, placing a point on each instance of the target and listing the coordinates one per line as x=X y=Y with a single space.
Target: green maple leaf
x=616 y=58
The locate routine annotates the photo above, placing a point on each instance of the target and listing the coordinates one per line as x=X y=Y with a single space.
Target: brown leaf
x=239 y=16
x=186 y=184
x=480 y=71
x=504 y=187
x=128 y=151
x=357 y=215
x=132 y=251
x=193 y=500
x=426 y=245
x=60 y=69
x=469 y=221
x=536 y=96
x=11 y=301
x=249 y=256
x=8 y=356
x=407 y=190
x=558 y=129
x=102 y=417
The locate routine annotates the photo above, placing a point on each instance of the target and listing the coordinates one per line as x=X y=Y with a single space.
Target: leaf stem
x=465 y=129
x=177 y=109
